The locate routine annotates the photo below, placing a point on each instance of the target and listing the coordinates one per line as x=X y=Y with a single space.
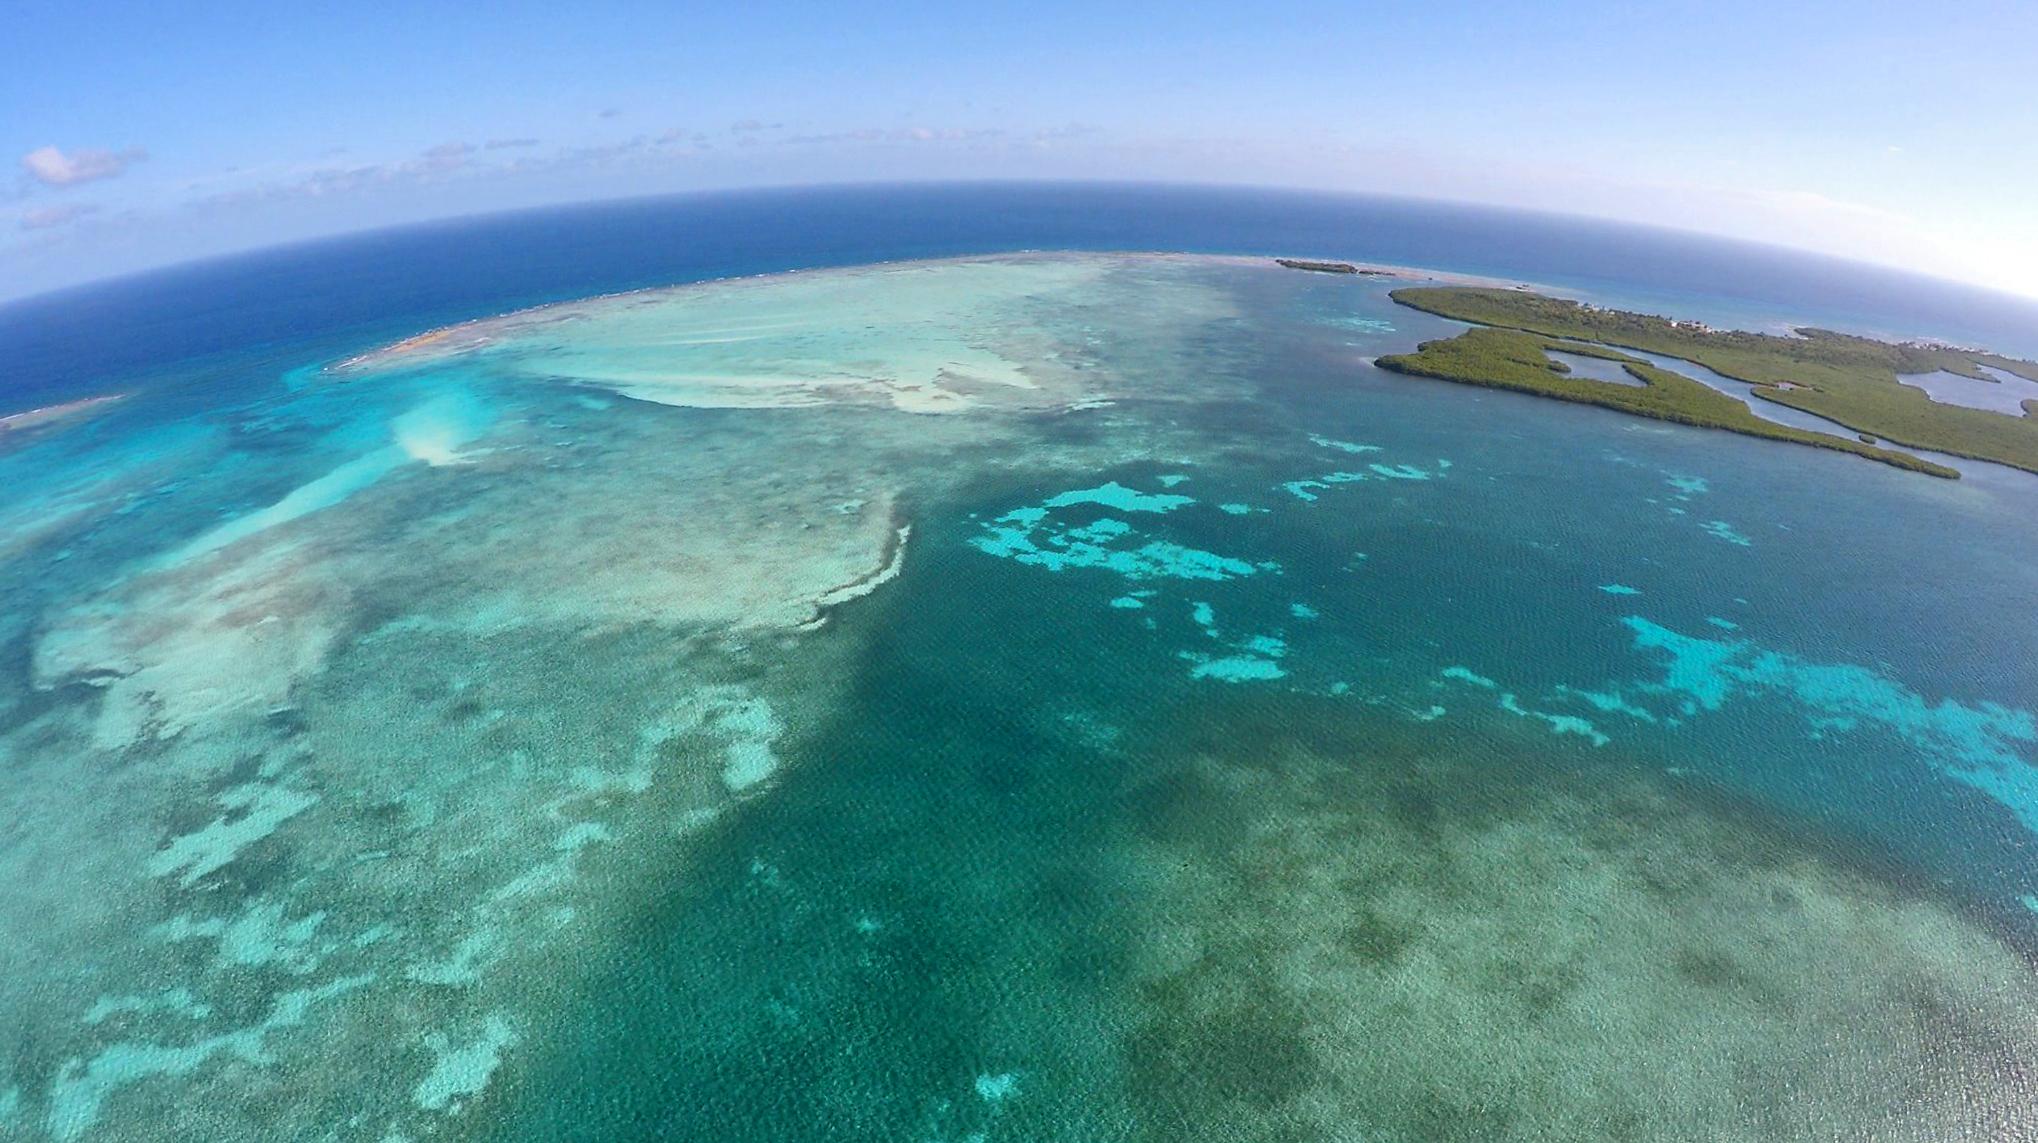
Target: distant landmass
x=1318 y=267
x=1332 y=267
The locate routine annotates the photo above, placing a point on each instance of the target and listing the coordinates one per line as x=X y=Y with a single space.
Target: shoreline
x=1852 y=381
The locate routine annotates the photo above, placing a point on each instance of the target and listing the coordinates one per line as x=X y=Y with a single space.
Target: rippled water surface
x=1018 y=698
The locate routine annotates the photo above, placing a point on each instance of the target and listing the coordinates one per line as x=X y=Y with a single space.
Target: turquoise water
x=1049 y=697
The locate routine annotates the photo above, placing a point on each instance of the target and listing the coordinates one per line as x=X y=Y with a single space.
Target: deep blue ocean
x=362 y=289
x=959 y=694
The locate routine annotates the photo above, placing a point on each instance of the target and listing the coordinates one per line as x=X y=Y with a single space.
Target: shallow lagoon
x=1594 y=368
x=2002 y=393
x=1037 y=697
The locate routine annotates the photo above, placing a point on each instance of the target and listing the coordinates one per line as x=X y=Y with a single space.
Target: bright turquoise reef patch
x=1106 y=543
x=1116 y=495
x=1341 y=446
x=1984 y=745
x=1235 y=668
x=1399 y=471
x=1467 y=675
x=1507 y=701
x=1721 y=530
x=1306 y=490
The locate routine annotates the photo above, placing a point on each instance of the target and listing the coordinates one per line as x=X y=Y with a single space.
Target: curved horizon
x=56 y=342
x=140 y=274
x=1050 y=572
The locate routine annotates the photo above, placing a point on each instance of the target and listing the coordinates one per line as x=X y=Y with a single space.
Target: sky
x=141 y=134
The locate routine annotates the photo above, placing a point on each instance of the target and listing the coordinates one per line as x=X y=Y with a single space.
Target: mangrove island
x=1845 y=378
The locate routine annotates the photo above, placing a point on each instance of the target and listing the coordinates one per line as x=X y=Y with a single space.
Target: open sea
x=991 y=663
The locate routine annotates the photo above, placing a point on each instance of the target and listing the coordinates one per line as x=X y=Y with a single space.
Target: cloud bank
x=52 y=167
x=50 y=217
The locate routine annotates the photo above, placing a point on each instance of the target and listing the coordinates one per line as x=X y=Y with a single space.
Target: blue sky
x=144 y=133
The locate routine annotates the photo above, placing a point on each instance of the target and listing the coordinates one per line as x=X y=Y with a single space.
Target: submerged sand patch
x=920 y=337
x=362 y=750
x=1432 y=950
x=520 y=507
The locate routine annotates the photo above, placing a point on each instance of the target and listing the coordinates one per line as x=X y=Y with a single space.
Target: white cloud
x=1071 y=130
x=445 y=157
x=901 y=135
x=49 y=217
x=51 y=167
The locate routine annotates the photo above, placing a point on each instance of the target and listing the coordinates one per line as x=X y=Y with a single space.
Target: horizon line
x=176 y=266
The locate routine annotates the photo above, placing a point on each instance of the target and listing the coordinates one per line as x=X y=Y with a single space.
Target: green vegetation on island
x=1510 y=359
x=1844 y=378
x=1318 y=267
